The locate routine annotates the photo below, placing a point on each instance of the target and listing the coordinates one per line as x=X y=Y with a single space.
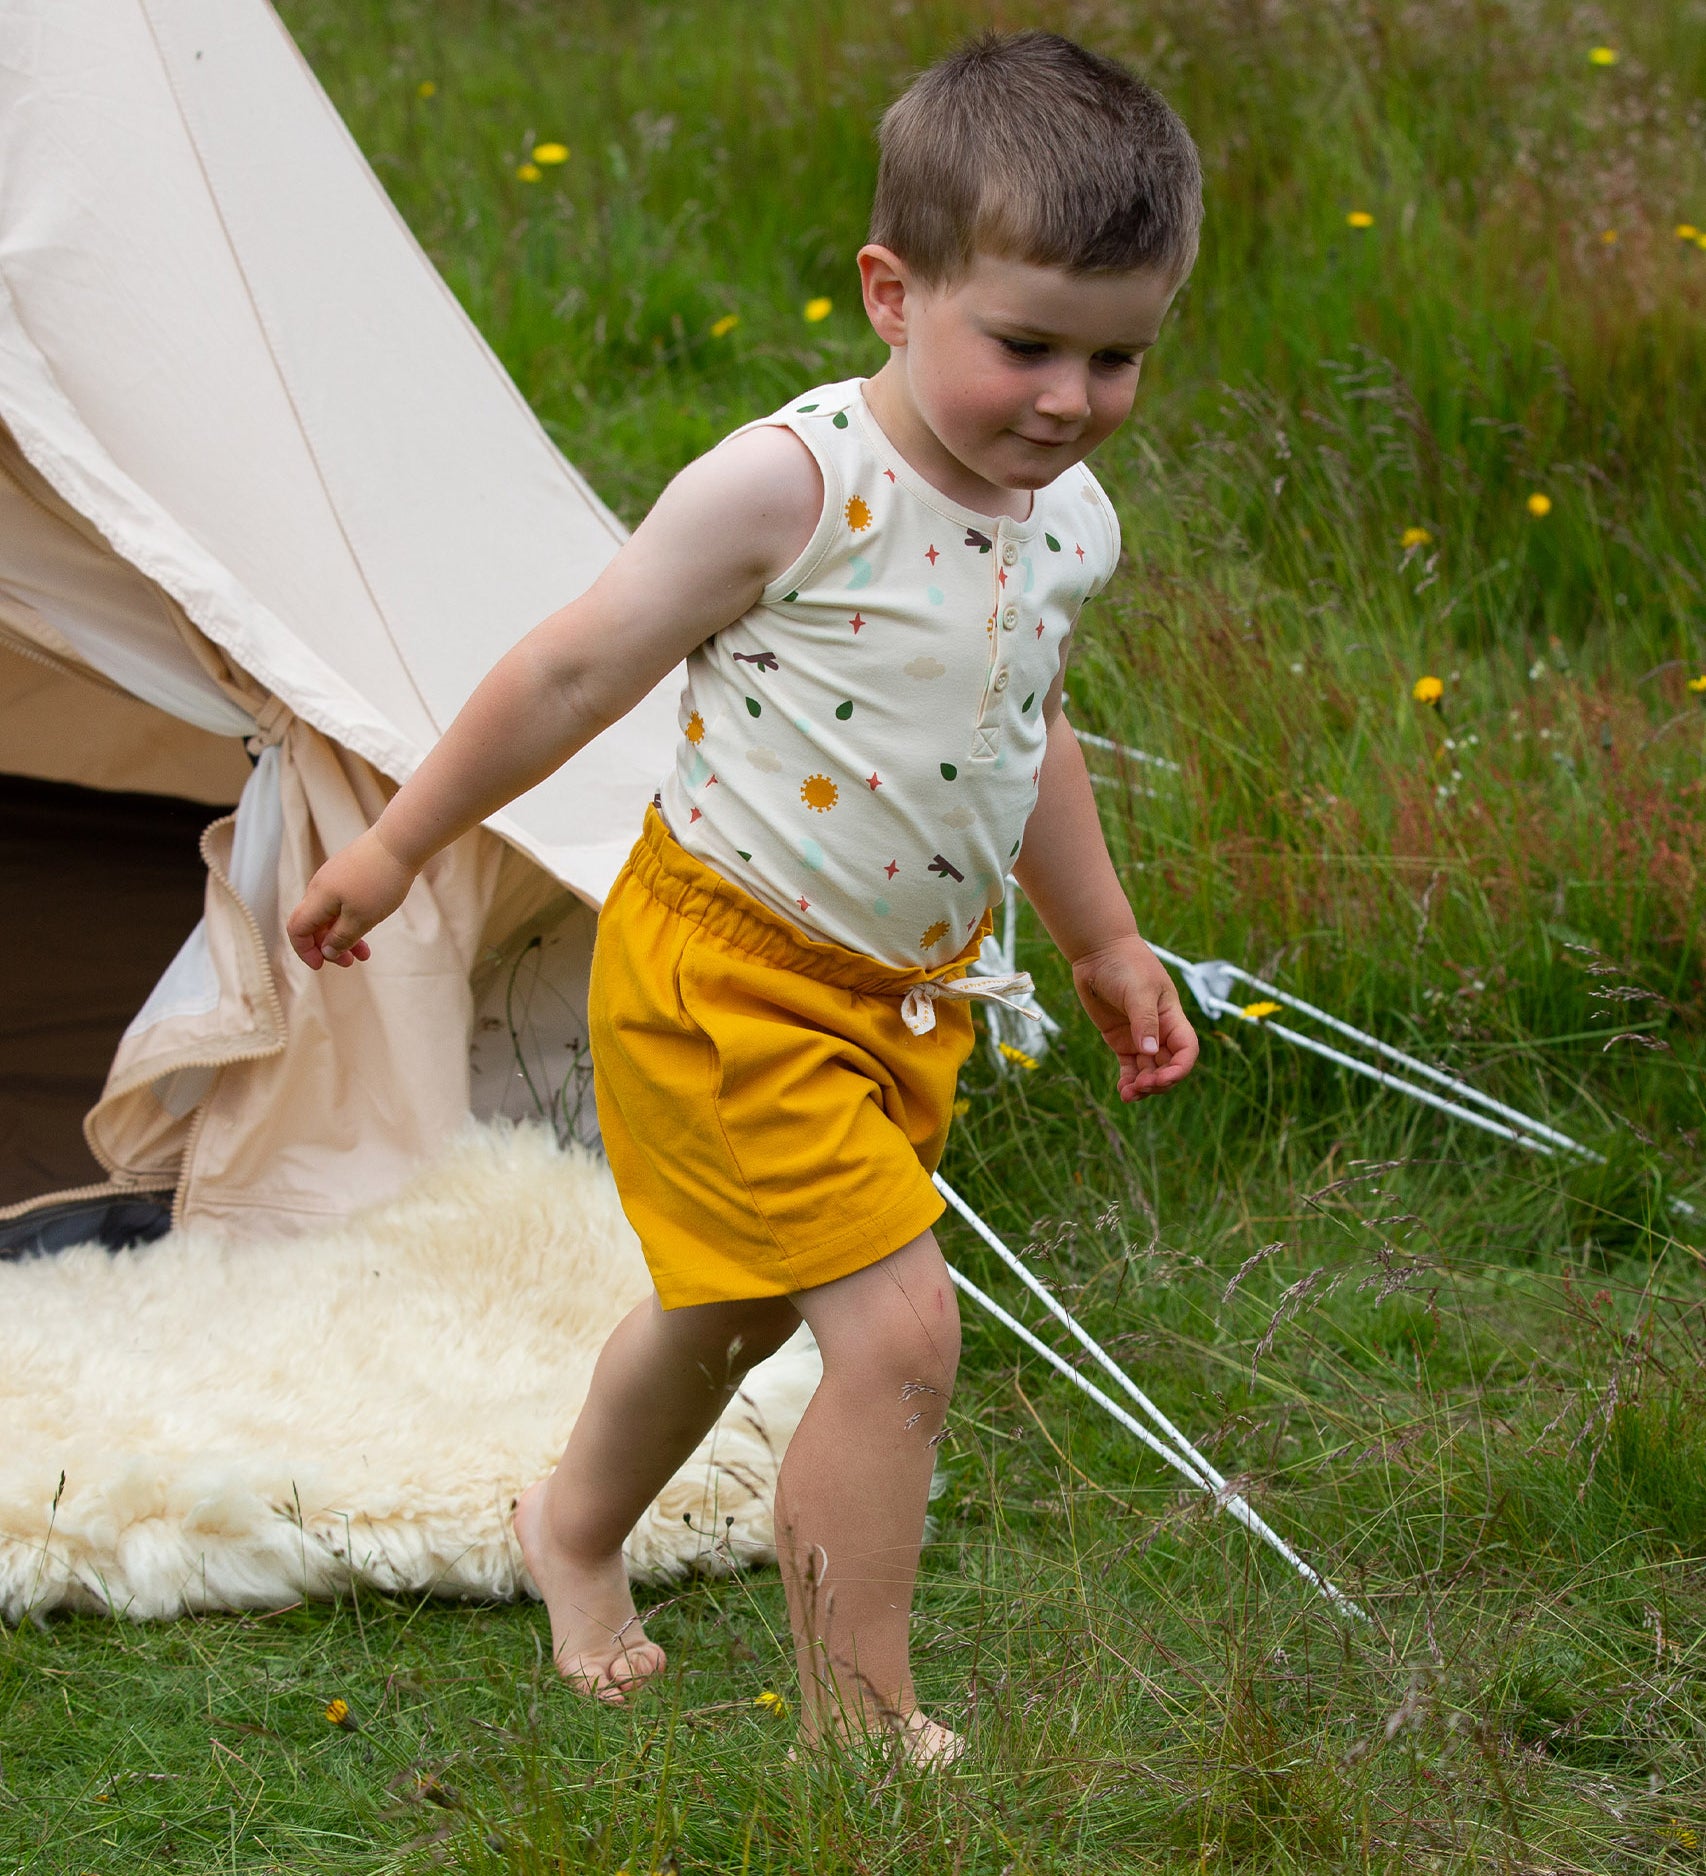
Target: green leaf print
x=789 y=598
x=839 y=420
x=754 y=708
x=948 y=771
x=1022 y=708
x=1053 y=544
x=803 y=408
x=747 y=856
x=844 y=710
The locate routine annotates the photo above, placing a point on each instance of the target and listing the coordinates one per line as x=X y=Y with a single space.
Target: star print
x=1001 y=576
x=803 y=904
x=1039 y=628
x=931 y=554
x=873 y=781
x=693 y=815
x=856 y=621
x=889 y=473
x=891 y=869
x=1034 y=774
x=712 y=782
x=1080 y=552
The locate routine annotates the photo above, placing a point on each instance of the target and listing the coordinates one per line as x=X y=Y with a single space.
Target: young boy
x=874 y=590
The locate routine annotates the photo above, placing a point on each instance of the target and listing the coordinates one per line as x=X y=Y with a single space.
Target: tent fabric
x=262 y=481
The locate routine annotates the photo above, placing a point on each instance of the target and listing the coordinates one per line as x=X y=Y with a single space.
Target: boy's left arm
x=1065 y=872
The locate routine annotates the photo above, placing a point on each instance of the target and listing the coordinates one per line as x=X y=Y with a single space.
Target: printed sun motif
x=696 y=729
x=819 y=793
x=933 y=934
x=858 y=514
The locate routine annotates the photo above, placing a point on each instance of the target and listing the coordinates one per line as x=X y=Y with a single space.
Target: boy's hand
x=350 y=894
x=1132 y=1001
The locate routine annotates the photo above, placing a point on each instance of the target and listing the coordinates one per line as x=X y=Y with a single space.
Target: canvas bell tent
x=269 y=509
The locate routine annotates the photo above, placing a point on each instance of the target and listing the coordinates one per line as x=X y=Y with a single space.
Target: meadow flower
x=1609 y=237
x=1539 y=505
x=771 y=1703
x=1018 y=1056
x=1686 y=231
x=1359 y=218
x=721 y=328
x=1427 y=690
x=528 y=172
x=426 y=89
x=550 y=152
x=1603 y=55
x=1256 y=1011
x=1414 y=537
x=338 y=1714
x=1697 y=684
x=817 y=309
x=962 y=1107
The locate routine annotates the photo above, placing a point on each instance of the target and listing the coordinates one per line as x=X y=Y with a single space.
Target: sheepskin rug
x=245 y=1425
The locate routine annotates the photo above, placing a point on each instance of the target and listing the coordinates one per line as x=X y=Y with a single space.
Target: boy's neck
x=899 y=419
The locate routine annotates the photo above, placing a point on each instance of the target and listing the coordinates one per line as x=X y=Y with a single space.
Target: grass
x=1465 y=1379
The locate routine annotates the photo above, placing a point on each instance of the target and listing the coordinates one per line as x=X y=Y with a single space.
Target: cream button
x=1010 y=618
x=1001 y=680
x=1009 y=553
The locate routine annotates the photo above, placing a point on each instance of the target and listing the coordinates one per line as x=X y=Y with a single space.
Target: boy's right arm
x=722 y=530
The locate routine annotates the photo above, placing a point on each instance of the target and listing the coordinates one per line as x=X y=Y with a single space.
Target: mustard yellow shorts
x=771 y=1122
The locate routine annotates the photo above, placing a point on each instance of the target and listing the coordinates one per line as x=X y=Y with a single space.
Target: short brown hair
x=1027 y=146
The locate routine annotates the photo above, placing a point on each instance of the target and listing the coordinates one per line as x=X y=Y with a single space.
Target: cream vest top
x=860 y=751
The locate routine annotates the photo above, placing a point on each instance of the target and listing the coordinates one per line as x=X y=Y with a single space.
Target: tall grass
x=1465 y=1379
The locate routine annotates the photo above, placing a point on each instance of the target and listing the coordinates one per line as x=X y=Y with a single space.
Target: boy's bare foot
x=925 y=1743
x=596 y=1638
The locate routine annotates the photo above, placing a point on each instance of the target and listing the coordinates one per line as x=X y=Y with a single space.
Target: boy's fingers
x=1145 y=1024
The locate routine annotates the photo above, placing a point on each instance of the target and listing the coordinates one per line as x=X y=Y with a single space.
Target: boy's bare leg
x=661 y=1380
x=851 y=1495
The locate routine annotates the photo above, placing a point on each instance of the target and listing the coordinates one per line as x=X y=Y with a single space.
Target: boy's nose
x=1065 y=399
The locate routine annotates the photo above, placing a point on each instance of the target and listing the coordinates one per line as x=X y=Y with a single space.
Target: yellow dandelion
x=1697 y=684
x=1256 y=1011
x=721 y=328
x=1539 y=505
x=426 y=89
x=1359 y=218
x=817 y=309
x=962 y=1108
x=858 y=513
x=819 y=793
x=1414 y=537
x=1700 y=240
x=1686 y=231
x=696 y=729
x=1609 y=237
x=528 y=172
x=337 y=1713
x=1603 y=55
x=1427 y=690
x=1017 y=1057
x=771 y=1703
x=550 y=152
x=934 y=934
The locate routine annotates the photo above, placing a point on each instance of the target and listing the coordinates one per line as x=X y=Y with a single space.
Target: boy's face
x=1018 y=370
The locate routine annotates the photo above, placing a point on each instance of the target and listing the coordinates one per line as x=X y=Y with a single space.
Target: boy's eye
x=1116 y=358
x=1025 y=348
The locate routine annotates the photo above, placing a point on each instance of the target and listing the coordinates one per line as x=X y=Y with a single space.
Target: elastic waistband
x=692 y=890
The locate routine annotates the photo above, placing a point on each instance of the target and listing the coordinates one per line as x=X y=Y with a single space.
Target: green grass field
x=1466 y=1379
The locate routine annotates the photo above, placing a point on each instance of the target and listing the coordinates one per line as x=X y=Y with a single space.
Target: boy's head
x=1037 y=208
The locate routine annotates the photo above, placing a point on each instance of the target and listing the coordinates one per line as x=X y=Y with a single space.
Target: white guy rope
x=1181 y=1454
x=1123 y=749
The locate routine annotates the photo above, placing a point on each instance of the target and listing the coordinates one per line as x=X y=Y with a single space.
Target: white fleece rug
x=241 y=1426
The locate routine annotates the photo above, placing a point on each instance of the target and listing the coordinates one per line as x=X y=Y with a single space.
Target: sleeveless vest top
x=860 y=751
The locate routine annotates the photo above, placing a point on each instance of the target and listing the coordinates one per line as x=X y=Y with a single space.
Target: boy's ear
x=885 y=283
